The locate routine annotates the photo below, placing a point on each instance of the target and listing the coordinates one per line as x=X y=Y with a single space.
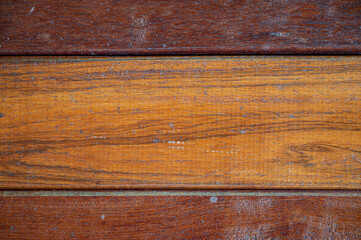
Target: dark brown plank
x=181 y=217
x=183 y=122
x=179 y=27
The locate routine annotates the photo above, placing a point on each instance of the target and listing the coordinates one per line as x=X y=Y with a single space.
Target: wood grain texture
x=180 y=217
x=198 y=122
x=179 y=27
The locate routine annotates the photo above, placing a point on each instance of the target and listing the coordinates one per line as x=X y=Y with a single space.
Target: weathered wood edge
x=71 y=58
x=336 y=193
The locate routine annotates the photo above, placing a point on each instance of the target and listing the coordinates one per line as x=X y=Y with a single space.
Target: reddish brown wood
x=181 y=217
x=179 y=27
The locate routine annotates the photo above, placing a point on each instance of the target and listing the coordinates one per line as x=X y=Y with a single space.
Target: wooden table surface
x=255 y=136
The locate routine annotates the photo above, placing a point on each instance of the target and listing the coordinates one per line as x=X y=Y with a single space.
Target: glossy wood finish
x=179 y=27
x=199 y=122
x=181 y=217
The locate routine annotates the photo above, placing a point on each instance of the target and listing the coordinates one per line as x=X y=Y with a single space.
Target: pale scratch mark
x=31 y=10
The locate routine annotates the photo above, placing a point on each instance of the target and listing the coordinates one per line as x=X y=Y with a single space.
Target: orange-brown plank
x=181 y=217
x=179 y=27
x=198 y=122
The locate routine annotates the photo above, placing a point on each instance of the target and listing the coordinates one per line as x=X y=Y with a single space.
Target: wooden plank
x=181 y=217
x=179 y=27
x=198 y=122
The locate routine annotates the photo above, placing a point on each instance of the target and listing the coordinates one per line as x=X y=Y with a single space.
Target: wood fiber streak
x=110 y=27
x=184 y=217
x=198 y=122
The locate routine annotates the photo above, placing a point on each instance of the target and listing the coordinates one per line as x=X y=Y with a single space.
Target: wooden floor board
x=186 y=122
x=126 y=27
x=181 y=217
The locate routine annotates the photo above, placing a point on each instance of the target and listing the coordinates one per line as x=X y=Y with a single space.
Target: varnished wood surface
x=179 y=27
x=181 y=217
x=198 y=122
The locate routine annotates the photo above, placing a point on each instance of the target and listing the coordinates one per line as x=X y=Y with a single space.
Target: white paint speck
x=103 y=217
x=31 y=10
x=213 y=199
x=98 y=137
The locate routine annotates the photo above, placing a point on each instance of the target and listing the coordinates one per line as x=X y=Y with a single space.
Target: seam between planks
x=335 y=193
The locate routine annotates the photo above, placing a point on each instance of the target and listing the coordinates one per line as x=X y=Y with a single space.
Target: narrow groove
x=338 y=193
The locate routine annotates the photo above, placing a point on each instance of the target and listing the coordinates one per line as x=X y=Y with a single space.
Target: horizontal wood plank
x=192 y=122
x=101 y=27
x=181 y=217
